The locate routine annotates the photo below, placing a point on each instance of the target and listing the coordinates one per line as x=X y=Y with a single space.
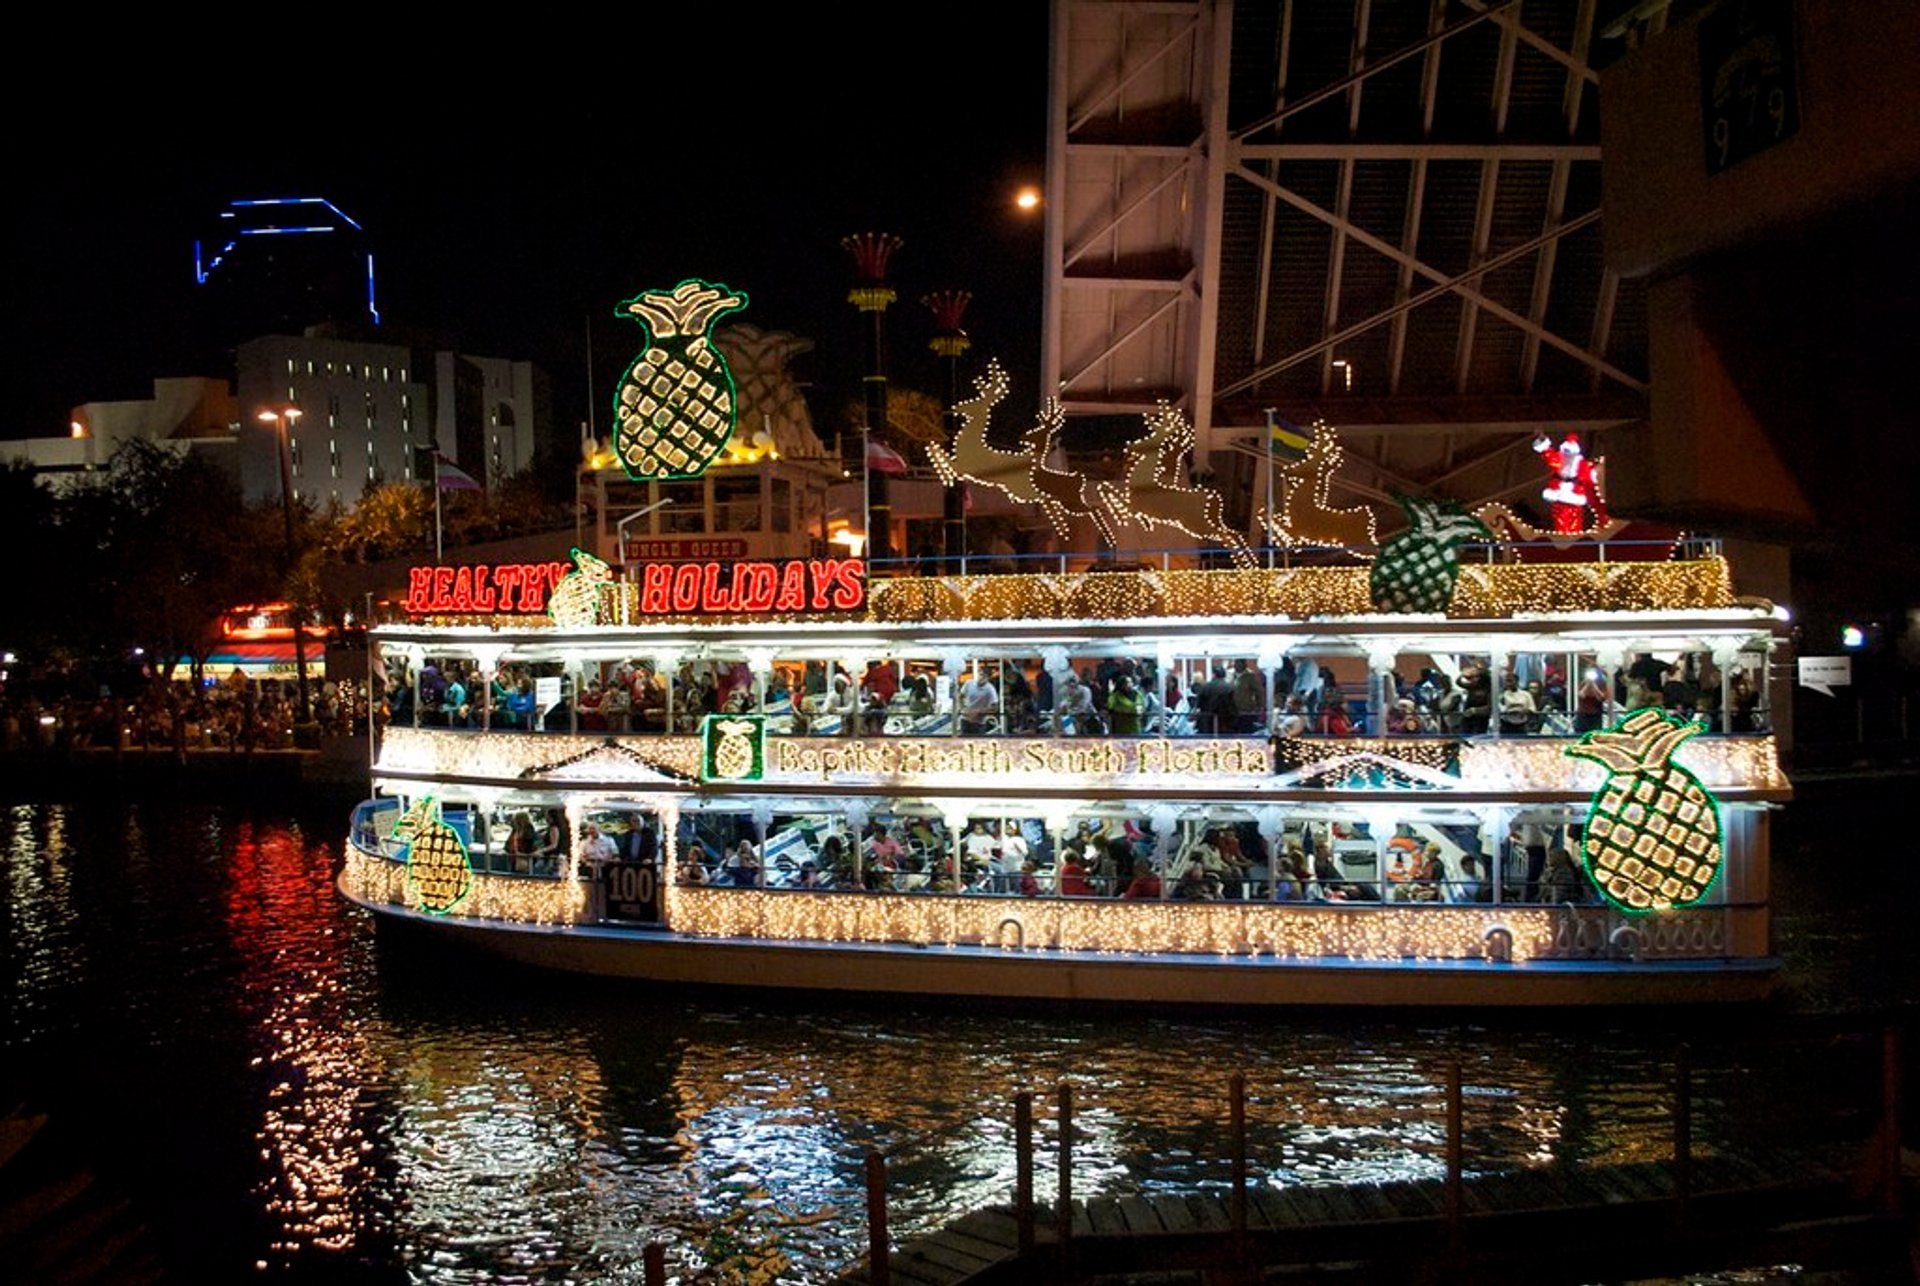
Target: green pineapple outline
x=1437 y=528
x=1598 y=747
x=656 y=322
x=426 y=813
x=757 y=738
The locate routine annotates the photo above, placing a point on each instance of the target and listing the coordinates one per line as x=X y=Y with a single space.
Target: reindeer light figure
x=1153 y=495
x=1306 y=517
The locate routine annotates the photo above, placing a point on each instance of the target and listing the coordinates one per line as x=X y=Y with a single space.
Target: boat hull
x=1001 y=973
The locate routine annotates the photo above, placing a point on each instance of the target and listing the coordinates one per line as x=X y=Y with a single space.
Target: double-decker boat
x=1252 y=785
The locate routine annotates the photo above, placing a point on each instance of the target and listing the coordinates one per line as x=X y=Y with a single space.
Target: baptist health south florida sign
x=1011 y=762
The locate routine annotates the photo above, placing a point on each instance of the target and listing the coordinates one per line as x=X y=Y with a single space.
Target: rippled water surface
x=220 y=1037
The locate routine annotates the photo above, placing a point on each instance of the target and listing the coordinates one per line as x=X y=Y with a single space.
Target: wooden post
x=1454 y=1151
x=879 y=1267
x=1023 y=1169
x=1063 y=1215
x=1890 y=1121
x=653 y=1261
x=1237 y=1095
x=1682 y=1133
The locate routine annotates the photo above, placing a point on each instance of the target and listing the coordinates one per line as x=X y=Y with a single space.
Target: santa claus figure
x=1574 y=497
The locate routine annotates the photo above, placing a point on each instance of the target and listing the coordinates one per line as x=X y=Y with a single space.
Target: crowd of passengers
x=1118 y=696
x=1109 y=857
x=1118 y=859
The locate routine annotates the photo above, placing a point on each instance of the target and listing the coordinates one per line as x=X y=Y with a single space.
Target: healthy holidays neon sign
x=503 y=589
x=752 y=588
x=747 y=587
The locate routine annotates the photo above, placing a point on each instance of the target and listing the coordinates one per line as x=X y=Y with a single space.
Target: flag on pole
x=1288 y=441
x=450 y=477
x=882 y=458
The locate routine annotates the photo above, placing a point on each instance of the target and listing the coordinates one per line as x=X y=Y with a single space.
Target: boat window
x=906 y=852
x=736 y=503
x=1006 y=855
x=1540 y=859
x=683 y=507
x=447 y=693
x=782 y=505
x=718 y=848
x=810 y=851
x=520 y=839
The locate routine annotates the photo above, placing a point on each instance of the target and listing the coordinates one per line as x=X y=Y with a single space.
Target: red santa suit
x=1574 y=498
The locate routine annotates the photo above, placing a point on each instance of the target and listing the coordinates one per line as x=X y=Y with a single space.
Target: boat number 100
x=630 y=883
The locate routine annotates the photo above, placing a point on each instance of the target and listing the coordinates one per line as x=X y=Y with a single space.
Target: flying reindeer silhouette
x=1152 y=494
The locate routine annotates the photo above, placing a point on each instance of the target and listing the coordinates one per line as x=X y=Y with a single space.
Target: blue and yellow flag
x=1288 y=442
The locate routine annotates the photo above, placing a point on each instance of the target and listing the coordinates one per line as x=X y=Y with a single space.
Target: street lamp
x=282 y=420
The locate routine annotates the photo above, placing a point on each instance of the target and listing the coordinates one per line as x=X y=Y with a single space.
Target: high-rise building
x=368 y=409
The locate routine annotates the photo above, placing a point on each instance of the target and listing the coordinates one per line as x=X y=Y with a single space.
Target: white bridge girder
x=1386 y=215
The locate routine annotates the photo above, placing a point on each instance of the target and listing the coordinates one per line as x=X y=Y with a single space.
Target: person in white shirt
x=596 y=846
x=1075 y=708
x=979 y=701
x=1013 y=857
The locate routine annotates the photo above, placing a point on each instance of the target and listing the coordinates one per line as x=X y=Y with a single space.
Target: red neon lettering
x=821 y=571
x=656 y=589
x=714 y=597
x=483 y=596
x=442 y=588
x=463 y=589
x=793 y=588
x=754 y=585
x=686 y=587
x=850 y=585
x=507 y=577
x=419 y=589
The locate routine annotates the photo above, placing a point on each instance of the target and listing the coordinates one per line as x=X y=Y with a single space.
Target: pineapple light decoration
x=675 y=406
x=1653 y=831
x=438 y=869
x=734 y=748
x=576 y=599
x=1417 y=569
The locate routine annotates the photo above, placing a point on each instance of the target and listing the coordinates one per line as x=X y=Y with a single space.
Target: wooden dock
x=1548 y=1224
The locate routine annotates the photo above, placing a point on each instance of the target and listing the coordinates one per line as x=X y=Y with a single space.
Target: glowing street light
x=1027 y=199
x=283 y=420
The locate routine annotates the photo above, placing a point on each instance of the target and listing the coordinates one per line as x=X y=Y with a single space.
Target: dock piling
x=653 y=1263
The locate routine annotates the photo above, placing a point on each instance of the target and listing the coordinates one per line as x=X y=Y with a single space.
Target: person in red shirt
x=1146 y=885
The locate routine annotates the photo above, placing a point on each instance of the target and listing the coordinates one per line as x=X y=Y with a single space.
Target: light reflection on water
x=340 y=1107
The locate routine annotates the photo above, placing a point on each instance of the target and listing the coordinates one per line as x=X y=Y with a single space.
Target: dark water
x=222 y=1040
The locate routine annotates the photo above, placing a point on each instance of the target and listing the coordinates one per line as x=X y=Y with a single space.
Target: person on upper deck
x=1125 y=705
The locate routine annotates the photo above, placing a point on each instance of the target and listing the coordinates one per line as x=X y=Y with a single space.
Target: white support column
x=1382 y=690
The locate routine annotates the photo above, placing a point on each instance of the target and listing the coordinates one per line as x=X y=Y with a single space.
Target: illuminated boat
x=1445 y=773
x=1311 y=800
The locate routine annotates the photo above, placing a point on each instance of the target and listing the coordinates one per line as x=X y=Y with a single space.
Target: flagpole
x=437 y=553
x=1268 y=533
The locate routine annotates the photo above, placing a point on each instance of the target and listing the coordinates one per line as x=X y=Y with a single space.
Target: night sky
x=516 y=182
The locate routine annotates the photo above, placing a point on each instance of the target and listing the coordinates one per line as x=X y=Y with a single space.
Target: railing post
x=1237 y=1094
x=1890 y=1121
x=1023 y=1169
x=653 y=1264
x=1063 y=1213
x=1682 y=1133
x=879 y=1265
x=1454 y=1150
